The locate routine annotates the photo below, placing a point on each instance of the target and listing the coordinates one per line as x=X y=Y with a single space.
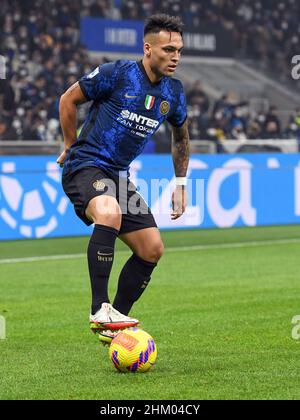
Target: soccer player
x=131 y=99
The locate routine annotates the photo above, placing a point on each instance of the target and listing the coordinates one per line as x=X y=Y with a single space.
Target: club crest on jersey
x=164 y=107
x=99 y=185
x=149 y=101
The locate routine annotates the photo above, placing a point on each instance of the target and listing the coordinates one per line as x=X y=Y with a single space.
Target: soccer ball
x=133 y=350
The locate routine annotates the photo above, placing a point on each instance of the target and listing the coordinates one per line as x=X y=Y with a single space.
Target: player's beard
x=162 y=73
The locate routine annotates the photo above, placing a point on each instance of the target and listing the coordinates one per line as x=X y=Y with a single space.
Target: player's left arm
x=180 y=153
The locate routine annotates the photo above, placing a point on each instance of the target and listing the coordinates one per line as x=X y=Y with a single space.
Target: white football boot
x=108 y=318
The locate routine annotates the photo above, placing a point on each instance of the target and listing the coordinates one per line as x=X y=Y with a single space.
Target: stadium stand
x=41 y=43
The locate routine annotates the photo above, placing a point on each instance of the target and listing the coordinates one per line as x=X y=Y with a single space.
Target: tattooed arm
x=68 y=117
x=180 y=149
x=180 y=152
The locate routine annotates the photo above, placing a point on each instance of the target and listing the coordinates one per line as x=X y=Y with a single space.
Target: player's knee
x=112 y=220
x=154 y=252
x=160 y=251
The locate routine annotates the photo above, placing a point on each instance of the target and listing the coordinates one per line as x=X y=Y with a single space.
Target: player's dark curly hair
x=162 y=22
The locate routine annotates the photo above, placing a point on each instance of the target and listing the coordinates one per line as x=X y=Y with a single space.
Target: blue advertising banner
x=112 y=35
x=224 y=191
x=104 y=35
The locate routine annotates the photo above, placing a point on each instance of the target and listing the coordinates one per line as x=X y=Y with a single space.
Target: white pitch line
x=172 y=249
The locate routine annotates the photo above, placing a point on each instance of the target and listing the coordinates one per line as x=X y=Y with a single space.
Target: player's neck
x=154 y=78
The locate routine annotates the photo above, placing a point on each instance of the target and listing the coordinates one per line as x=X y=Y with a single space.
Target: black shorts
x=90 y=182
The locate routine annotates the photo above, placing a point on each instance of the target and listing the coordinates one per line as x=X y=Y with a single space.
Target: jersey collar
x=142 y=68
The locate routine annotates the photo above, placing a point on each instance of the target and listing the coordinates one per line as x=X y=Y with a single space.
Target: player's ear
x=147 y=49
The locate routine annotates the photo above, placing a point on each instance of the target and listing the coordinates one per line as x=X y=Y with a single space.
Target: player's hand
x=179 y=200
x=61 y=159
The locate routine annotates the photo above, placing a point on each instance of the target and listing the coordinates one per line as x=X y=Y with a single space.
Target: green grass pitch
x=220 y=315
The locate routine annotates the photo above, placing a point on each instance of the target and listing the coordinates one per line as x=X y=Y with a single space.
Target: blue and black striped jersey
x=127 y=110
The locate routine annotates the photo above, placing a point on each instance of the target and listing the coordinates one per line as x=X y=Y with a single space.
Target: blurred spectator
x=272 y=117
x=295 y=119
x=271 y=131
x=254 y=131
x=198 y=121
x=7 y=99
x=237 y=131
x=98 y=8
x=293 y=127
x=196 y=96
x=6 y=131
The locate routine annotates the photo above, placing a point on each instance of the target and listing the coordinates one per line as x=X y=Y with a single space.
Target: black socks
x=100 y=260
x=134 y=277
x=133 y=280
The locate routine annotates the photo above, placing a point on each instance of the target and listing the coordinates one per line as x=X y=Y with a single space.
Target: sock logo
x=145 y=284
x=105 y=257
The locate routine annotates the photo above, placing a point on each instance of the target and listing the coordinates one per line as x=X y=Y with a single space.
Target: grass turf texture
x=221 y=319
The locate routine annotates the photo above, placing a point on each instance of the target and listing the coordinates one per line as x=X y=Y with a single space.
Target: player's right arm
x=68 y=117
x=95 y=86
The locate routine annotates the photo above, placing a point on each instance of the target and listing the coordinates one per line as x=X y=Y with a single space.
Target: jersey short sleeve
x=100 y=83
x=179 y=115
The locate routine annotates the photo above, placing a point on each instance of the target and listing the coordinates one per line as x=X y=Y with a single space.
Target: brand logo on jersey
x=164 y=107
x=130 y=96
x=149 y=101
x=99 y=185
x=140 y=119
x=93 y=74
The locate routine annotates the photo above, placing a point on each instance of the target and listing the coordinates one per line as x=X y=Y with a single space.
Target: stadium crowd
x=41 y=42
